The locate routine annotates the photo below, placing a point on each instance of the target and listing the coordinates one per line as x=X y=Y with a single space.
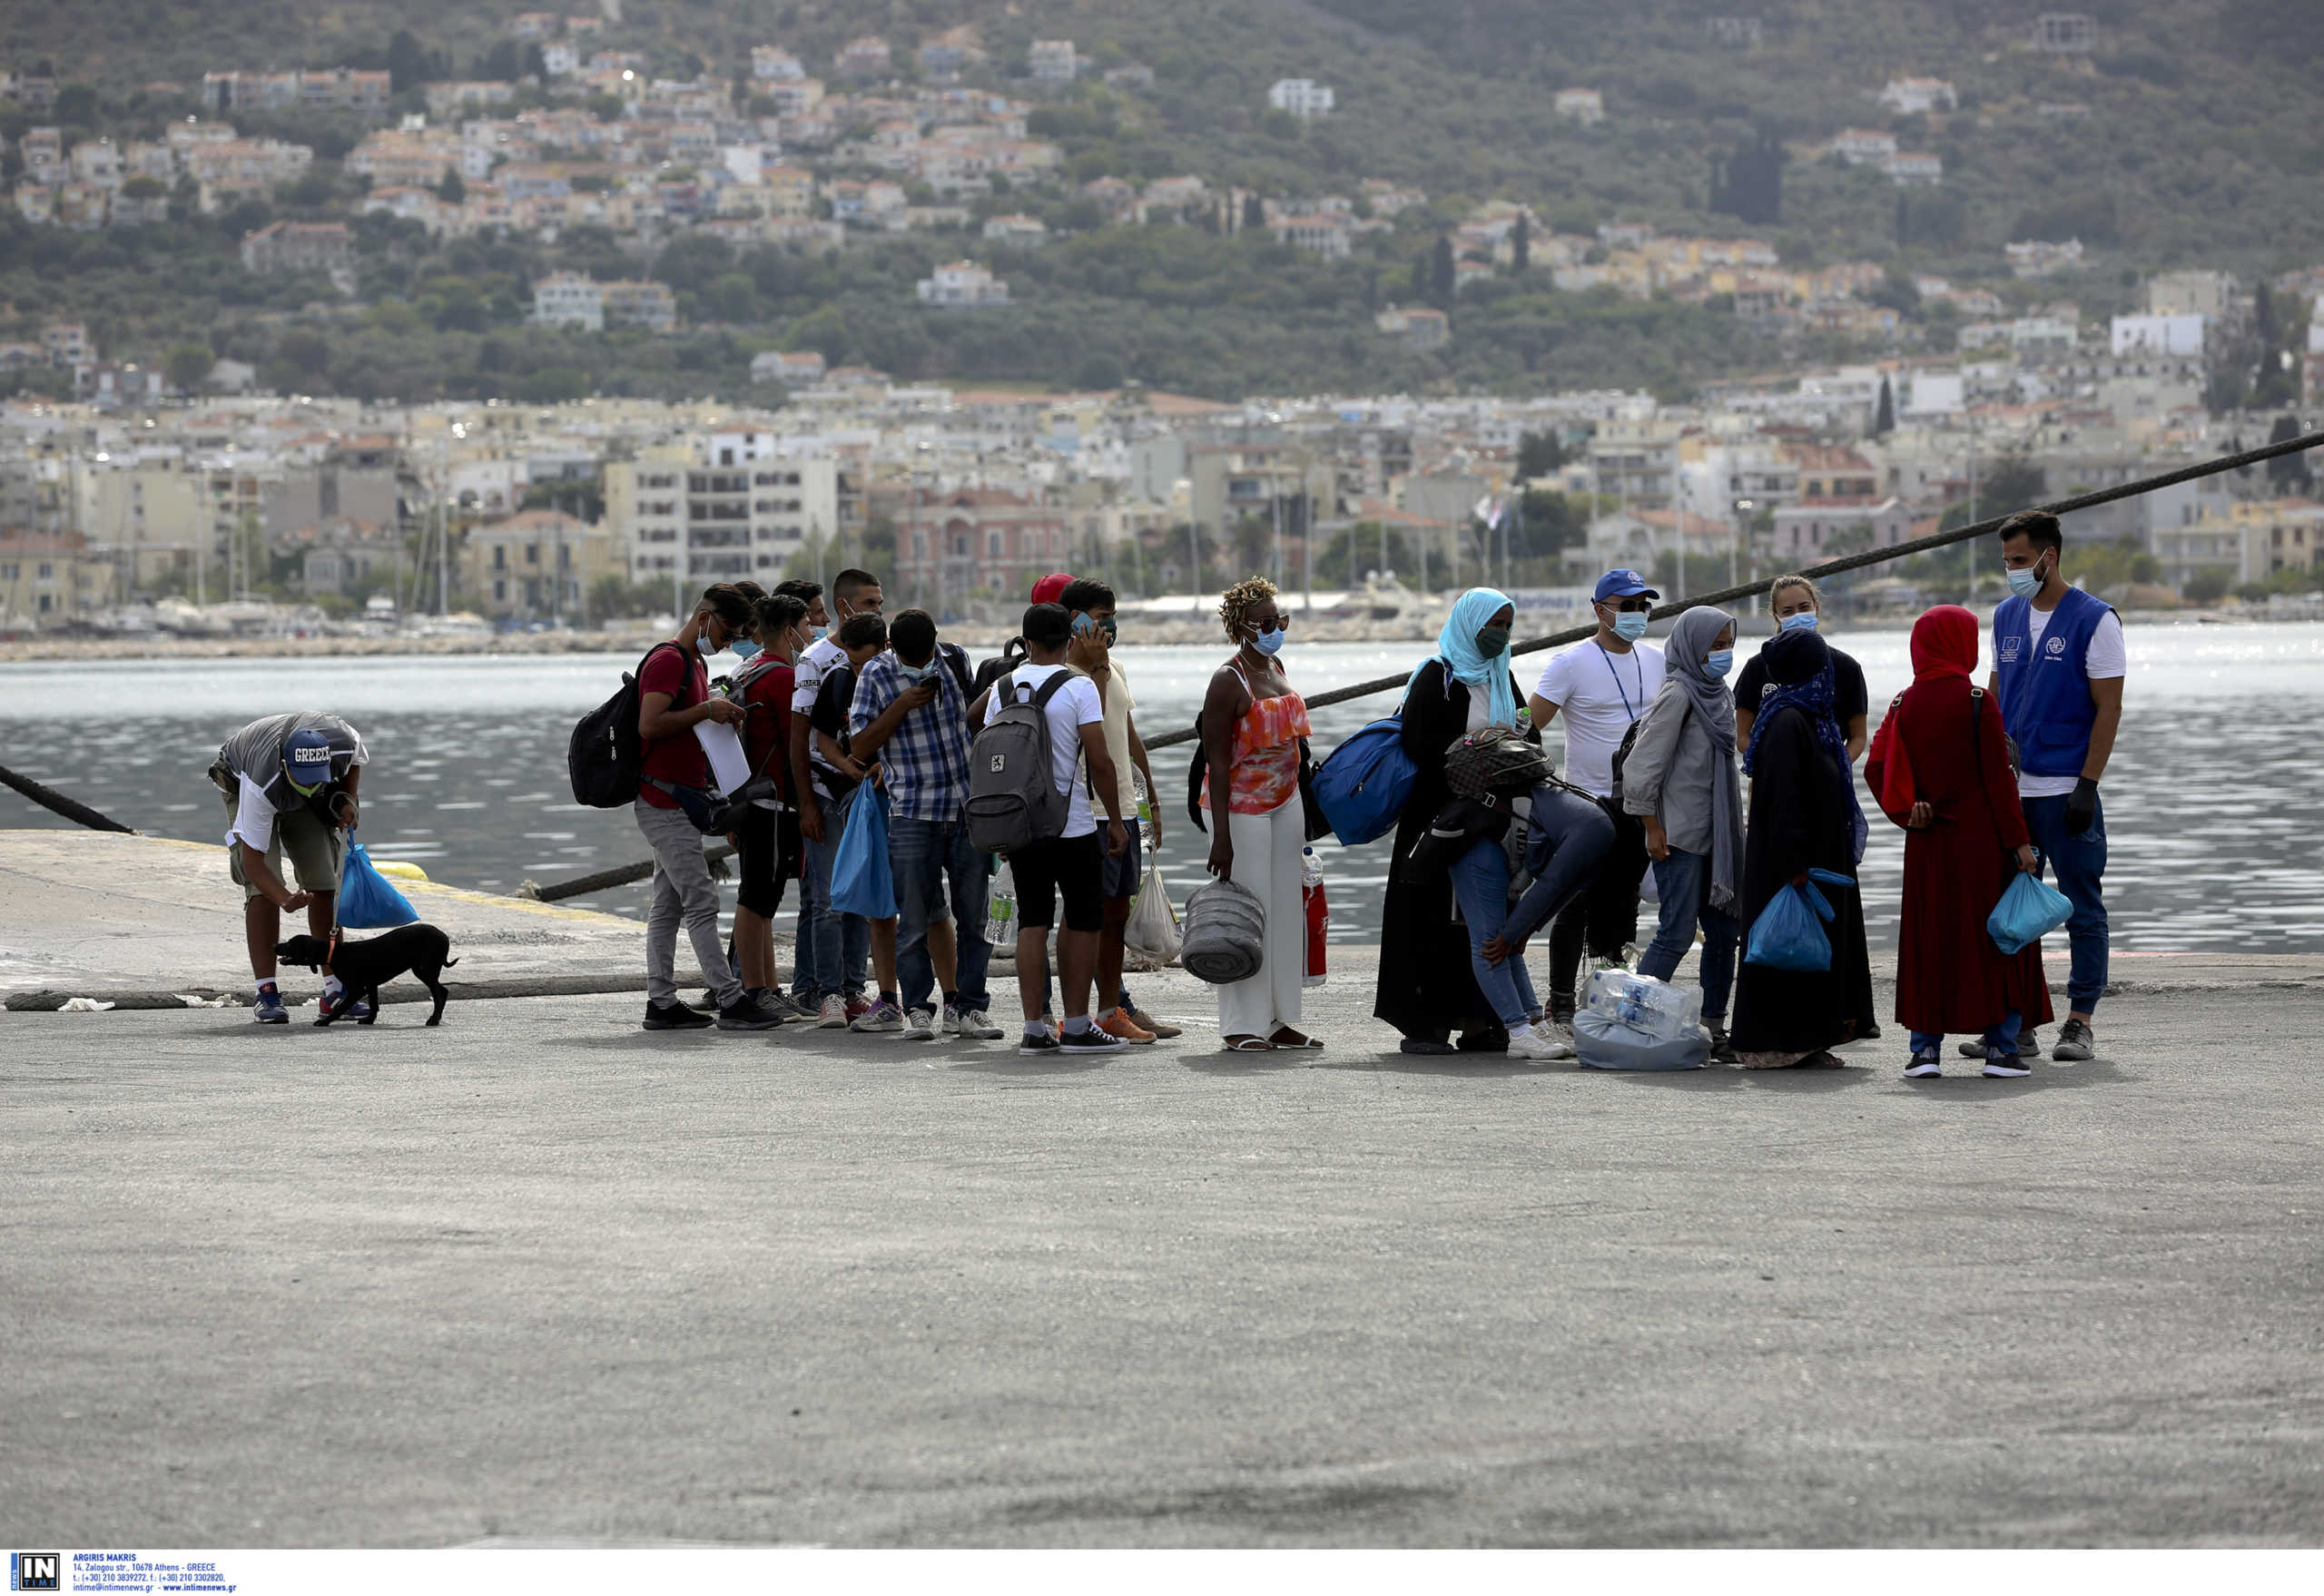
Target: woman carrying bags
x=1940 y=769
x=1804 y=815
x=1252 y=723
x=1680 y=777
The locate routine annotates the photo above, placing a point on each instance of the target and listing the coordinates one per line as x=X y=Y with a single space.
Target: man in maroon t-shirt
x=674 y=698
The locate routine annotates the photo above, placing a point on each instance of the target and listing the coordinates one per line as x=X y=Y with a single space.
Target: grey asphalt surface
x=540 y=1276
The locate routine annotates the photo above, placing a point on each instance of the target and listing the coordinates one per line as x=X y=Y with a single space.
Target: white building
x=739 y=508
x=1912 y=96
x=2158 y=335
x=1585 y=106
x=773 y=63
x=1913 y=169
x=1053 y=61
x=963 y=285
x=567 y=299
x=2040 y=257
x=1303 y=97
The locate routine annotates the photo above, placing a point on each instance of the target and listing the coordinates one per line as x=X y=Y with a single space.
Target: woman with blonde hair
x=1252 y=724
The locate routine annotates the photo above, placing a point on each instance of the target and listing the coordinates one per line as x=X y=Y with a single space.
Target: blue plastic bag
x=2030 y=909
x=366 y=900
x=1364 y=784
x=1789 y=932
x=862 y=882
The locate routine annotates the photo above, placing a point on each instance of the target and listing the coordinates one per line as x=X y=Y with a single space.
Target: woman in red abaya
x=1940 y=769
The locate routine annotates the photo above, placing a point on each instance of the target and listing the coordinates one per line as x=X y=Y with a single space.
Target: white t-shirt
x=2106 y=658
x=1599 y=694
x=1075 y=707
x=806 y=686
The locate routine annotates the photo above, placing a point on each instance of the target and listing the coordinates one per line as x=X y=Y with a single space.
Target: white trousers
x=1269 y=850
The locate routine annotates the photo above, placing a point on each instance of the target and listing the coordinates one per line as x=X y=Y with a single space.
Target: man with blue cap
x=1602 y=686
x=289 y=783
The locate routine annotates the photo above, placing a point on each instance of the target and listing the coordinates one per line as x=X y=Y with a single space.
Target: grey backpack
x=1013 y=798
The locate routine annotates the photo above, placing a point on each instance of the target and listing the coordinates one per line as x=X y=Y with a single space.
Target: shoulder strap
x=1051 y=689
x=958 y=658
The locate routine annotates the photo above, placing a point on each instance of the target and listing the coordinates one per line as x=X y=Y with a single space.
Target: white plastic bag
x=1153 y=927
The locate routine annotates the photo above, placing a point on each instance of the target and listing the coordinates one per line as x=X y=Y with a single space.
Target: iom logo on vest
x=2056 y=645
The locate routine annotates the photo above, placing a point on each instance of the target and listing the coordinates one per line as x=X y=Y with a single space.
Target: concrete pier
x=541 y=1275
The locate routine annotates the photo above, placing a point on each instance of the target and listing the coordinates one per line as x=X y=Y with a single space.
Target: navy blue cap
x=1623 y=583
x=306 y=760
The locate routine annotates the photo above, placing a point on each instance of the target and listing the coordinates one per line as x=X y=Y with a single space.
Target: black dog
x=362 y=966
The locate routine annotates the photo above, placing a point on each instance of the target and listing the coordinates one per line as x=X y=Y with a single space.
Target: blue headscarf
x=1800 y=677
x=1456 y=645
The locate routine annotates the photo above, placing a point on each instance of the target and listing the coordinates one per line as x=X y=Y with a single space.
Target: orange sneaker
x=1118 y=1024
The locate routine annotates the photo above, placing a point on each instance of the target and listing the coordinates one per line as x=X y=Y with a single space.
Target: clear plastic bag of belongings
x=1000 y=910
x=1153 y=927
x=1225 y=933
x=1645 y=1004
x=2030 y=909
x=1789 y=932
x=1601 y=1041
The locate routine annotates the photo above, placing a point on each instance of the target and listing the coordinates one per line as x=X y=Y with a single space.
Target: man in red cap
x=1049 y=587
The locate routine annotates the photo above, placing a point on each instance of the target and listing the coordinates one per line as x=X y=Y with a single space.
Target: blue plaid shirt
x=927 y=758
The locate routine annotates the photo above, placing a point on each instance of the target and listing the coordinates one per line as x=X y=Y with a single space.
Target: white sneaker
x=977 y=1026
x=833 y=1015
x=919 y=1026
x=1537 y=1043
x=948 y=1022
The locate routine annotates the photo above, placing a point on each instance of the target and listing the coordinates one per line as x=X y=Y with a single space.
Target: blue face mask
x=743 y=647
x=1804 y=621
x=1268 y=642
x=1719 y=661
x=817 y=633
x=702 y=641
x=1630 y=625
x=2025 y=584
x=913 y=672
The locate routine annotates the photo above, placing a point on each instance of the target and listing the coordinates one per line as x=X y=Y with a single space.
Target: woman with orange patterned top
x=1252 y=723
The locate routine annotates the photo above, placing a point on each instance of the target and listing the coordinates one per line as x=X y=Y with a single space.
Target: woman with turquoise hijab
x=1434 y=979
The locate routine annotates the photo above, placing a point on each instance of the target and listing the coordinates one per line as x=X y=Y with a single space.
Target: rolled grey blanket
x=1225 y=933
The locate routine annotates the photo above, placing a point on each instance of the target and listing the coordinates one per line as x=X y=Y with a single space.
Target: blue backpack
x=1362 y=786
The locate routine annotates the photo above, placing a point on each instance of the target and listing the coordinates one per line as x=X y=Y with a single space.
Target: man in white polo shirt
x=1600 y=686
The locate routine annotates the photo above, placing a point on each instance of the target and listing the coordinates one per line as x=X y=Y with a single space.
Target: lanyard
x=1618 y=677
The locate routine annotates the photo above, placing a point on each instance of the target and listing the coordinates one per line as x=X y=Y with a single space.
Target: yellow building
x=534 y=565
x=49 y=581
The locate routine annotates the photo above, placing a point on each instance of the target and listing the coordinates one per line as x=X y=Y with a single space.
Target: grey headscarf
x=1691 y=636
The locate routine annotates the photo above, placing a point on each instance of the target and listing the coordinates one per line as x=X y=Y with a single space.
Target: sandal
x=1246 y=1044
x=1305 y=1043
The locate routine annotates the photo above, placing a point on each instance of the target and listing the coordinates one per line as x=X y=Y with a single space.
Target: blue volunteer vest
x=2045 y=702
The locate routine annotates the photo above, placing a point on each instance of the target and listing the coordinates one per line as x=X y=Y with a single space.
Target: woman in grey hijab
x=1679 y=778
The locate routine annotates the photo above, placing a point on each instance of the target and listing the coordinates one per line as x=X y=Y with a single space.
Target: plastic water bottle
x=1147 y=837
x=1000 y=913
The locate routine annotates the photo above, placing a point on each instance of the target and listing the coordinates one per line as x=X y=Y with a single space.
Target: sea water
x=2214 y=800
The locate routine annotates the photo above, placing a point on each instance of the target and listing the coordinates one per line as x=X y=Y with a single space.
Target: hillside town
x=135 y=509
x=771 y=150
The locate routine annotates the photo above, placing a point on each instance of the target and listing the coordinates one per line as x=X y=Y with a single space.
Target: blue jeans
x=2079 y=863
x=1481 y=886
x=921 y=854
x=832 y=949
x=2003 y=1037
x=1567 y=839
x=1683 y=883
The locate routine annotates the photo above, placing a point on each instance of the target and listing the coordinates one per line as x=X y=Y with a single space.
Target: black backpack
x=606 y=758
x=1630 y=741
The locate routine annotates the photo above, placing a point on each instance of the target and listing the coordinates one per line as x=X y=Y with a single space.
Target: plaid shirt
x=927 y=757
